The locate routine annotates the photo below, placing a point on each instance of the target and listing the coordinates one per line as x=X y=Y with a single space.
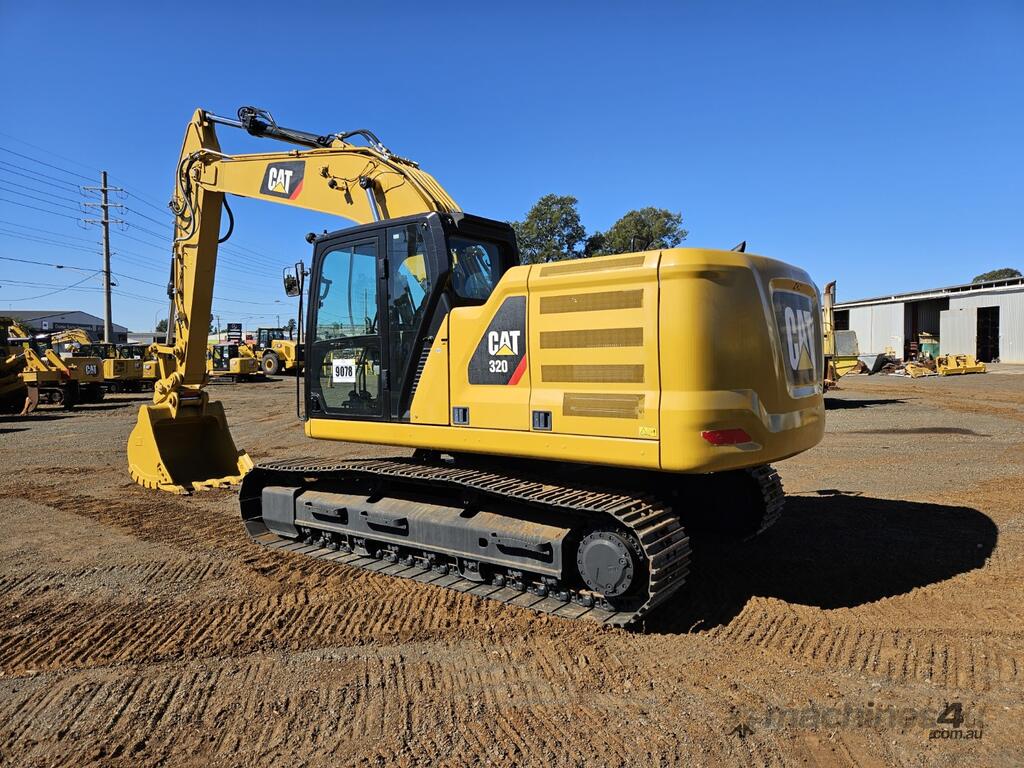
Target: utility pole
x=105 y=205
x=108 y=331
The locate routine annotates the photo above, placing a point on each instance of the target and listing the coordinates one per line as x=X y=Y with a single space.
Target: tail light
x=726 y=436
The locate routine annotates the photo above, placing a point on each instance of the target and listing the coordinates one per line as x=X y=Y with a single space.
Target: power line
x=238 y=247
x=51 y=293
x=243 y=252
x=43 y=263
x=22 y=186
x=48 y=165
x=37 y=208
x=49 y=152
x=227 y=257
x=17 y=191
x=147 y=218
x=44 y=241
x=144 y=201
x=21 y=170
x=48 y=231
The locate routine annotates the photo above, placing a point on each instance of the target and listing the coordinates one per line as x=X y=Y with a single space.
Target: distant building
x=46 y=321
x=145 y=337
x=983 y=319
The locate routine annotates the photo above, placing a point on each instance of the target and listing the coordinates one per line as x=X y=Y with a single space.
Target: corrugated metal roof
x=936 y=293
x=32 y=315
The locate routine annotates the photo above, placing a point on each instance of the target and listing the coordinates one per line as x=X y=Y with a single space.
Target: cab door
x=417 y=271
x=347 y=374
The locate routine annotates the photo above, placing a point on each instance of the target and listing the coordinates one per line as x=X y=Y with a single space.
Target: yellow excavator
x=48 y=377
x=572 y=422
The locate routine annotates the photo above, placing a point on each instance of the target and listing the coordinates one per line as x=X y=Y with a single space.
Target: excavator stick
x=185 y=448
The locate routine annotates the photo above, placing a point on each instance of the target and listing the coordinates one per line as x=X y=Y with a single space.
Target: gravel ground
x=139 y=628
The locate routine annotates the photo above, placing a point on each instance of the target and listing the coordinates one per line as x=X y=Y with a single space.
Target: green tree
x=643 y=229
x=291 y=325
x=997 y=274
x=551 y=231
x=161 y=326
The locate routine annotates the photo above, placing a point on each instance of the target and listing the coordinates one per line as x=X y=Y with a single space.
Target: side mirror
x=292 y=281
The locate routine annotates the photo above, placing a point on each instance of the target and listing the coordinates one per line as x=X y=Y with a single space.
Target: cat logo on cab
x=500 y=357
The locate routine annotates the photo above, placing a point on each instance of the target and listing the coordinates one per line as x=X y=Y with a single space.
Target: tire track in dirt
x=75 y=635
x=938 y=657
x=188 y=524
x=394 y=704
x=174 y=575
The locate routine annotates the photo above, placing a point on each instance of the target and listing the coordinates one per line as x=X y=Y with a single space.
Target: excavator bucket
x=190 y=450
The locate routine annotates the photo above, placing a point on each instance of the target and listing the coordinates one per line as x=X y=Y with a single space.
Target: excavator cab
x=378 y=296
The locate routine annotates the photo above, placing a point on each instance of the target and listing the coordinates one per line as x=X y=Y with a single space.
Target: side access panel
x=594 y=342
x=489 y=366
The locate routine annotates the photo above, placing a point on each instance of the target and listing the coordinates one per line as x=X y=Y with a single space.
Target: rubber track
x=656 y=527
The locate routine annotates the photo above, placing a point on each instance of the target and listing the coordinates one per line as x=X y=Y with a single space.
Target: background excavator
x=48 y=377
x=571 y=421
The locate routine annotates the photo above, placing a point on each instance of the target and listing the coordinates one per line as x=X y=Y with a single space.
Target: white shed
x=982 y=319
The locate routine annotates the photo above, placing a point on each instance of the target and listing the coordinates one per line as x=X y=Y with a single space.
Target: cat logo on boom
x=284 y=179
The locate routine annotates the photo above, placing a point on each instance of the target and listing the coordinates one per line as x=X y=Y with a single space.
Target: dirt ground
x=139 y=628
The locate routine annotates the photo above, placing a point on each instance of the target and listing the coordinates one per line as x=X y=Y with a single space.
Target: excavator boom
x=181 y=442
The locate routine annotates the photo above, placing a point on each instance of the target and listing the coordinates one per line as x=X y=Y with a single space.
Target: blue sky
x=876 y=143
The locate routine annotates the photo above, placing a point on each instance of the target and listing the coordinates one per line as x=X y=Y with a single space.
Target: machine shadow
x=919 y=431
x=39 y=415
x=837 y=404
x=834 y=551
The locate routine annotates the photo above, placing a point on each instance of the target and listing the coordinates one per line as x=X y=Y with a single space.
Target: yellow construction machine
x=837 y=365
x=276 y=351
x=13 y=392
x=146 y=355
x=572 y=422
x=231 y=361
x=50 y=379
x=119 y=371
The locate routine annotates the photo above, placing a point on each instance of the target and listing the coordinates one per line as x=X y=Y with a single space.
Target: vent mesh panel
x=603 y=405
x=587 y=339
x=594 y=374
x=591 y=302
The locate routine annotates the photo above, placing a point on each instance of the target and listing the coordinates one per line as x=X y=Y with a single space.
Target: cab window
x=346 y=349
x=476 y=267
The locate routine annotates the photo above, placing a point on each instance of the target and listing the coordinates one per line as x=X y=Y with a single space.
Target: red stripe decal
x=517 y=374
x=295 y=194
